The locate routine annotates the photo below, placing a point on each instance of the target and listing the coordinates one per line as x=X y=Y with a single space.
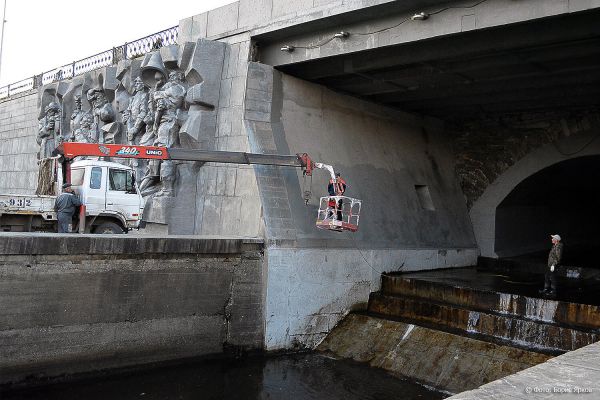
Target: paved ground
x=574 y=375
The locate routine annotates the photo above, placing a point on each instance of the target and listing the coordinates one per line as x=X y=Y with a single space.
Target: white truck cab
x=111 y=197
x=113 y=203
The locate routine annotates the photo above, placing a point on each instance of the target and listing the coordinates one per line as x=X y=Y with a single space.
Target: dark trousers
x=339 y=213
x=550 y=280
x=63 y=222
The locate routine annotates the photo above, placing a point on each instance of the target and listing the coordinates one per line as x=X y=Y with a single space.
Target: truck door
x=121 y=195
x=95 y=188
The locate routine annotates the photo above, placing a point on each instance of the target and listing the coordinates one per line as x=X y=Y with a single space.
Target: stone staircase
x=458 y=329
x=518 y=320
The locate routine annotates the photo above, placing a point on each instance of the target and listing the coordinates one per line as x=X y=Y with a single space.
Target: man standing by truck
x=65 y=206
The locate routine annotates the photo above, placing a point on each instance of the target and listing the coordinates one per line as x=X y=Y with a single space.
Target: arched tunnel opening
x=560 y=199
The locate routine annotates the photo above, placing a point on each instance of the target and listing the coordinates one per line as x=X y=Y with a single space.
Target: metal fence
x=127 y=51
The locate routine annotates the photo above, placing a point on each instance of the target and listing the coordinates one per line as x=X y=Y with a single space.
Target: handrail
x=105 y=58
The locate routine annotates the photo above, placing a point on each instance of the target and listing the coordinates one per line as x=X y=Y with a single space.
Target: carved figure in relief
x=135 y=115
x=134 y=118
x=49 y=130
x=103 y=113
x=85 y=133
x=169 y=105
x=76 y=115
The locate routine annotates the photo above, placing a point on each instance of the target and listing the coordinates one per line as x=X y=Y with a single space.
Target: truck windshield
x=120 y=180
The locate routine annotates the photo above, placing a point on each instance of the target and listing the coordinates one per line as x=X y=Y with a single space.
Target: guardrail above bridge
x=112 y=56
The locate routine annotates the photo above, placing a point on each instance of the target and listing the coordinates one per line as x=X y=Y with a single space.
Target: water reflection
x=298 y=377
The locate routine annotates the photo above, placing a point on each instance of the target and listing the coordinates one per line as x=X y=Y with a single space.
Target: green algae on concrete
x=439 y=359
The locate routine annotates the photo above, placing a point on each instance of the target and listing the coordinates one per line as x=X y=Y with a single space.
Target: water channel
x=299 y=377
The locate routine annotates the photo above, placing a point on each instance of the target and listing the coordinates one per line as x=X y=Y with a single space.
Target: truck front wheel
x=108 y=228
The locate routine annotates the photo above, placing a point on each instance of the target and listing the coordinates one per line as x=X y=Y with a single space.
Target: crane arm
x=328 y=168
x=70 y=150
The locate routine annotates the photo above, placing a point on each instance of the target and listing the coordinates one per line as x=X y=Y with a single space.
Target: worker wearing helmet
x=337 y=188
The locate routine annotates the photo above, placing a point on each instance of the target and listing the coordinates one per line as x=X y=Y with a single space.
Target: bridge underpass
x=550 y=63
x=505 y=94
x=560 y=198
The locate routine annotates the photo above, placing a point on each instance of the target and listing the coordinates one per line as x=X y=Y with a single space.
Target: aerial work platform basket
x=338 y=213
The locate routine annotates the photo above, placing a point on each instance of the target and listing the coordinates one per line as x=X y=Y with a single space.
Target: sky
x=41 y=35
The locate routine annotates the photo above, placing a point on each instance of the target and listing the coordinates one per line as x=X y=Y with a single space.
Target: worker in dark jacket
x=337 y=188
x=554 y=259
x=65 y=206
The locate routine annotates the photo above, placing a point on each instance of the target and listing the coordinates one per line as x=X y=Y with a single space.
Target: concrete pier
x=82 y=303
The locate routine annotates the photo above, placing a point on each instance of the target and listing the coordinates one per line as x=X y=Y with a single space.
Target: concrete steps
x=523 y=321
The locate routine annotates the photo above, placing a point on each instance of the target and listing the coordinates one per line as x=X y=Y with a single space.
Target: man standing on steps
x=65 y=206
x=554 y=259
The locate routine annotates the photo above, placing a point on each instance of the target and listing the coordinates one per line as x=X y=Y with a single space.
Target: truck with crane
x=112 y=199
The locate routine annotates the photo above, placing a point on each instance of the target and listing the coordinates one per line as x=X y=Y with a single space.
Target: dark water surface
x=301 y=377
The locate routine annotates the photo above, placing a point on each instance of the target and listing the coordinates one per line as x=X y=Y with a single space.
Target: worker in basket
x=337 y=188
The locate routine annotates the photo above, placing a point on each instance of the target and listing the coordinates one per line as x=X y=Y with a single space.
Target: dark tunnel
x=561 y=199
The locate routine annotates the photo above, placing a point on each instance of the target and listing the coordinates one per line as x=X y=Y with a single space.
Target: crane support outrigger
x=71 y=150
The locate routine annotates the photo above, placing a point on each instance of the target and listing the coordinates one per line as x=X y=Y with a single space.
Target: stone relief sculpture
x=49 y=132
x=134 y=118
x=167 y=98
x=165 y=109
x=103 y=113
x=76 y=114
x=135 y=115
x=169 y=107
x=85 y=132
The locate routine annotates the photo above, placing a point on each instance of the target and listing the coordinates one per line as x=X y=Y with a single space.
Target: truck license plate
x=19 y=202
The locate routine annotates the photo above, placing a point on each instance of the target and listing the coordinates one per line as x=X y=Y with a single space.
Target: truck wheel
x=108 y=228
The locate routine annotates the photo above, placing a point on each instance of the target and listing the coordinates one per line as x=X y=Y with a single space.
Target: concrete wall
x=386 y=21
x=18 y=148
x=315 y=277
x=225 y=197
x=244 y=15
x=81 y=303
x=382 y=154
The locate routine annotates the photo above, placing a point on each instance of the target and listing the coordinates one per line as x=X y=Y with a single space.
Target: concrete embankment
x=445 y=361
x=75 y=303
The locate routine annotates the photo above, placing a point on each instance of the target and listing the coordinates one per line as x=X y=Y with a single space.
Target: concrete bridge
x=470 y=130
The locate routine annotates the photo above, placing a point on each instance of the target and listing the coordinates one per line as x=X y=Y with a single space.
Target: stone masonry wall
x=18 y=148
x=486 y=148
x=228 y=201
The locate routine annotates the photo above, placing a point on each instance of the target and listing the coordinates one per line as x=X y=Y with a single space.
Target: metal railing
x=126 y=51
